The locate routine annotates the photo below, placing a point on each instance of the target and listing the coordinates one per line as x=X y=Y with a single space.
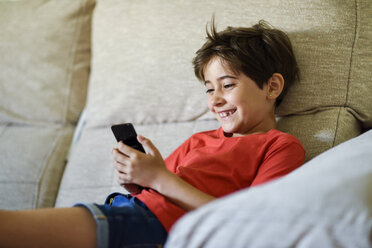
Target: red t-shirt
x=219 y=165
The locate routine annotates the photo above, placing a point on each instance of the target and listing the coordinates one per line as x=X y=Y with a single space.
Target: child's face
x=237 y=102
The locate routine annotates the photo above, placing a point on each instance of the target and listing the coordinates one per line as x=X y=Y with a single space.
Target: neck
x=262 y=127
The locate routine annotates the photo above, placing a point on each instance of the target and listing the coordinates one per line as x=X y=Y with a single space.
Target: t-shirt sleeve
x=280 y=160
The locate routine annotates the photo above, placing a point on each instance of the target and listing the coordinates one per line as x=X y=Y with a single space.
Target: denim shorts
x=125 y=221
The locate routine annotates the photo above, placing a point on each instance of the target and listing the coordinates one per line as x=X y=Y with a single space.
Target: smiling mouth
x=226 y=114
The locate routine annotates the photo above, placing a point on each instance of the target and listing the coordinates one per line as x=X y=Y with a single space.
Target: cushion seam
x=336 y=128
x=356 y=26
x=349 y=73
x=2 y=131
x=69 y=77
x=44 y=168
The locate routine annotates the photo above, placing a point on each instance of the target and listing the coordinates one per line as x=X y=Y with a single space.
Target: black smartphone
x=126 y=133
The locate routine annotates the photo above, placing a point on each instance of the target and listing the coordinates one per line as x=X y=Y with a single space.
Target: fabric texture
x=325 y=203
x=45 y=60
x=334 y=59
x=218 y=166
x=329 y=127
x=31 y=164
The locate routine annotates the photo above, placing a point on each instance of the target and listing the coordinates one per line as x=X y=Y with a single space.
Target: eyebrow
x=222 y=78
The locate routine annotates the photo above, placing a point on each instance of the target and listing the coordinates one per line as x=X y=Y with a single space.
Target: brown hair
x=258 y=52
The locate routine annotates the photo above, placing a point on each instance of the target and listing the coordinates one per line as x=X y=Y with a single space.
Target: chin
x=228 y=129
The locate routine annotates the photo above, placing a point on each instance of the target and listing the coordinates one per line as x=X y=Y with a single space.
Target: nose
x=217 y=99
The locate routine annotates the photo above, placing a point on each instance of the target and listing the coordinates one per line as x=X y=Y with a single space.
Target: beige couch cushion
x=45 y=59
x=142 y=73
x=141 y=68
x=335 y=58
x=31 y=164
x=321 y=130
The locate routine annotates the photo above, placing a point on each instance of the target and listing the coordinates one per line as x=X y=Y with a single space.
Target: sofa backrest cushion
x=45 y=60
x=321 y=130
x=335 y=56
x=142 y=72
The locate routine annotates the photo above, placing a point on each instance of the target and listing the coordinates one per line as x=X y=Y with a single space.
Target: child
x=246 y=72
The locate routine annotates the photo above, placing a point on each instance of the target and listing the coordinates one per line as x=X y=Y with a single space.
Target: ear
x=275 y=86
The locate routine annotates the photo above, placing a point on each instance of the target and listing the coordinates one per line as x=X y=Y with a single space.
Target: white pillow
x=325 y=203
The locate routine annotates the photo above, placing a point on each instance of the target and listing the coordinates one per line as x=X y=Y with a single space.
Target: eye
x=227 y=86
x=209 y=91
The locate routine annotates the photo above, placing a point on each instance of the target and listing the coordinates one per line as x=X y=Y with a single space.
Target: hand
x=149 y=170
x=133 y=166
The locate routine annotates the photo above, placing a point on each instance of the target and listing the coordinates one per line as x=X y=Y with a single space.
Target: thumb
x=148 y=145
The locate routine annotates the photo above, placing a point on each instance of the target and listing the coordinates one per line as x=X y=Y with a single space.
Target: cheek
x=244 y=104
x=237 y=99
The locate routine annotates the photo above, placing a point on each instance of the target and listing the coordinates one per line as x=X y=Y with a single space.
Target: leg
x=55 y=227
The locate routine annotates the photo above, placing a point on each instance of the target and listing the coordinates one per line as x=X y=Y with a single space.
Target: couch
x=70 y=69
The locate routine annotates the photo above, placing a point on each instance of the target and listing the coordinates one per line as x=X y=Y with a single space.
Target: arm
x=149 y=170
x=180 y=192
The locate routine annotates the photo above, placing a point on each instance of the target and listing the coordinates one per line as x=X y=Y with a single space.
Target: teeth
x=225 y=114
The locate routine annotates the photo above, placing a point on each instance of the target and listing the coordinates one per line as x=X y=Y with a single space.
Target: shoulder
x=279 y=137
x=282 y=154
x=280 y=141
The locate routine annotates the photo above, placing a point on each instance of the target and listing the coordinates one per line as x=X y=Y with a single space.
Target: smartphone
x=127 y=134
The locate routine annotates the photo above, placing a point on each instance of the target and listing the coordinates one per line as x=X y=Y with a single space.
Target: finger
x=126 y=150
x=148 y=145
x=121 y=168
x=122 y=173
x=119 y=157
x=121 y=178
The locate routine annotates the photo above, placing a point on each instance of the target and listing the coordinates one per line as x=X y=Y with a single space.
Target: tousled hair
x=258 y=52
